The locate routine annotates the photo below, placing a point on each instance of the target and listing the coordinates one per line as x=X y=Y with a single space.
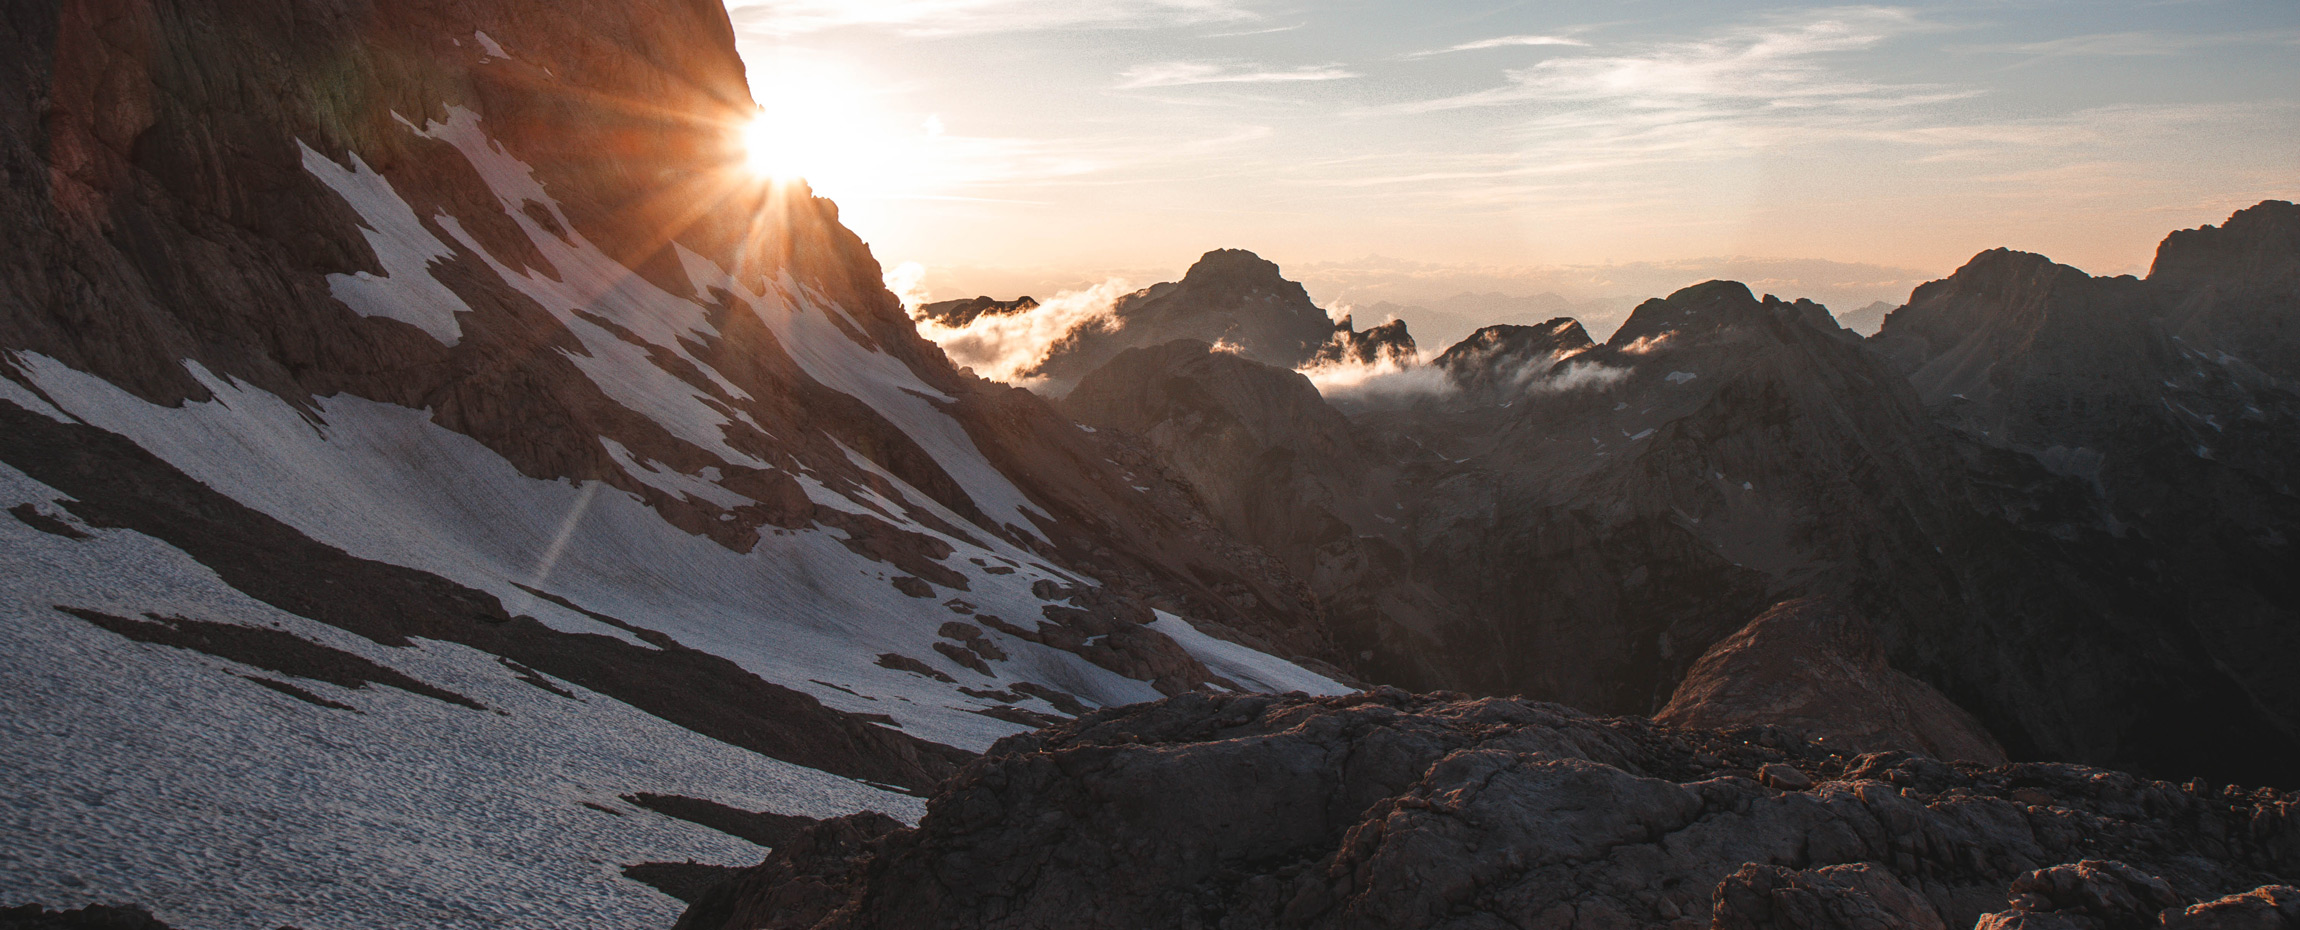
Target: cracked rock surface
x=1391 y=810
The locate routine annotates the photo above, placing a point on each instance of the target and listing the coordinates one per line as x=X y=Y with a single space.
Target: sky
x=1408 y=151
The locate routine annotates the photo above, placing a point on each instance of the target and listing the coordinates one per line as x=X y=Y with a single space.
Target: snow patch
x=827 y=354
x=671 y=481
x=406 y=291
x=1257 y=670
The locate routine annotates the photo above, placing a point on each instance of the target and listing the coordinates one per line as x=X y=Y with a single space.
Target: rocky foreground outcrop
x=1385 y=809
x=1814 y=665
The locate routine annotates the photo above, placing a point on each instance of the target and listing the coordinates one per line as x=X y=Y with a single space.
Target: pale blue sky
x=1531 y=145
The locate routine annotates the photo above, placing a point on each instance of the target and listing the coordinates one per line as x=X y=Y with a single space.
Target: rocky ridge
x=1390 y=810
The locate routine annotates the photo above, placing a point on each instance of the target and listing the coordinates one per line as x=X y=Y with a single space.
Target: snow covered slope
x=399 y=493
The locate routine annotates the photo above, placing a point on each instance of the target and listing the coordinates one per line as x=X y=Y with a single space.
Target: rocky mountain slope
x=421 y=437
x=2054 y=510
x=1395 y=811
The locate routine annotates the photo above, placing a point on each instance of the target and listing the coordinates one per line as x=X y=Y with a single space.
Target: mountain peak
x=1235 y=268
x=1231 y=297
x=1700 y=302
x=1710 y=292
x=2258 y=243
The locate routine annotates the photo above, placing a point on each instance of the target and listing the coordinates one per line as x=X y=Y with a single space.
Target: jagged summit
x=1389 y=342
x=1503 y=352
x=1232 y=298
x=2258 y=244
x=2235 y=289
x=1509 y=339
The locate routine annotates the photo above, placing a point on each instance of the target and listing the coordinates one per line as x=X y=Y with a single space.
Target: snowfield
x=164 y=777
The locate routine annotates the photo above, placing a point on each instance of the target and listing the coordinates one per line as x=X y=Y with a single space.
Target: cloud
x=1583 y=125
x=1384 y=379
x=1253 y=32
x=1390 y=380
x=1502 y=42
x=1777 y=64
x=976 y=17
x=1184 y=73
x=2139 y=44
x=1005 y=347
x=907 y=281
x=1576 y=376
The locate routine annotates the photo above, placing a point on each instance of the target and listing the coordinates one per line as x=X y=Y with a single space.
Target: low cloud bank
x=1393 y=380
x=1006 y=347
x=1381 y=379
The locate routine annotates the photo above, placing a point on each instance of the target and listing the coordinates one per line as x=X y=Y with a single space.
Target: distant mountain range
x=2025 y=458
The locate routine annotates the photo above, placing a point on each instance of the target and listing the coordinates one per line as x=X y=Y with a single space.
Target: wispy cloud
x=1253 y=32
x=1183 y=73
x=974 y=17
x=1778 y=64
x=2138 y=44
x=1503 y=42
x=1785 y=81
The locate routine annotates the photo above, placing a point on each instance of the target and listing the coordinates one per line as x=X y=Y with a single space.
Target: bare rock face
x=1769 y=897
x=1389 y=810
x=2089 y=895
x=2270 y=907
x=1813 y=665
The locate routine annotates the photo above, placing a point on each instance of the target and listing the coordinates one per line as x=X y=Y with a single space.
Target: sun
x=778 y=149
x=820 y=123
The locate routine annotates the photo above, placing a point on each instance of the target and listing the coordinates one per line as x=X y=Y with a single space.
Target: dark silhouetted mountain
x=1506 y=356
x=2053 y=510
x=1231 y=298
x=964 y=311
x=1453 y=318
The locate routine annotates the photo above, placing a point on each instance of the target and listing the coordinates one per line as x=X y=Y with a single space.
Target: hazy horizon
x=1407 y=152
